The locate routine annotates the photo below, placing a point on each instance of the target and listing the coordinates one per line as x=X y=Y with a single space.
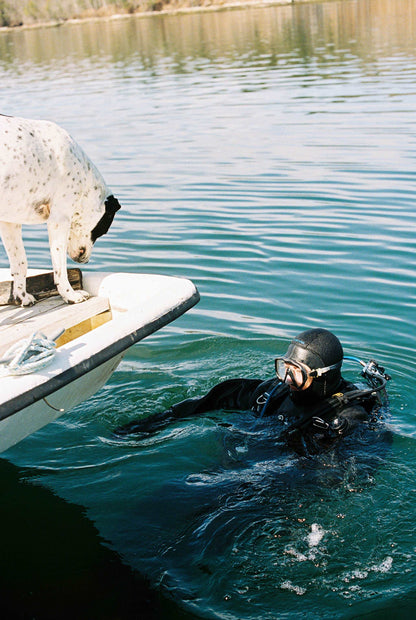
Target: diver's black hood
x=317 y=348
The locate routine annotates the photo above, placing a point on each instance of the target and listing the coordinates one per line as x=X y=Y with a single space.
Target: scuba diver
x=309 y=399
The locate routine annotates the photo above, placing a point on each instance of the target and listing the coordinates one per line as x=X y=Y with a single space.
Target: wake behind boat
x=123 y=309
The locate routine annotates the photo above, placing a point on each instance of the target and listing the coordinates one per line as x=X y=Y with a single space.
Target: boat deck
x=49 y=317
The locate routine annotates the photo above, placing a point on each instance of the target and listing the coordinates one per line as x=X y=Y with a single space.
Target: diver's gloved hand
x=146 y=426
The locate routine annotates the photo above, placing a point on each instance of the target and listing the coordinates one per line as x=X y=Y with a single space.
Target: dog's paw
x=23 y=299
x=74 y=297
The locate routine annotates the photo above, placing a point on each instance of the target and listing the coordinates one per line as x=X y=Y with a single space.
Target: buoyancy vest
x=325 y=417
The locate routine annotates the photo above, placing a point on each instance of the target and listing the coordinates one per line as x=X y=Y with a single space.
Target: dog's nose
x=82 y=254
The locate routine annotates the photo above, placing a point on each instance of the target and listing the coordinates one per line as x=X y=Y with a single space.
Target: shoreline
x=214 y=5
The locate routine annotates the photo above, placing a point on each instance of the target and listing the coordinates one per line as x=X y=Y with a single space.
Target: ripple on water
x=268 y=155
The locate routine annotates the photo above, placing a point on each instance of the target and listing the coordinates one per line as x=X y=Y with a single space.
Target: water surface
x=269 y=155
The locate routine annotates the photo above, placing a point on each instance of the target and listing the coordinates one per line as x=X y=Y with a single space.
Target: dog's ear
x=112 y=205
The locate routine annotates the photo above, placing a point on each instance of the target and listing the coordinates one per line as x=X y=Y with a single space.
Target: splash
x=315 y=536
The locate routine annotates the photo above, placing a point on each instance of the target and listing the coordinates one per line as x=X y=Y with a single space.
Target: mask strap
x=318 y=372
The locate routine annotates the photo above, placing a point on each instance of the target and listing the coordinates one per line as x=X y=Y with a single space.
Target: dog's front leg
x=11 y=235
x=58 y=241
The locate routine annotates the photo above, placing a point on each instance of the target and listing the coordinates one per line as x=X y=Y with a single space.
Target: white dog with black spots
x=45 y=176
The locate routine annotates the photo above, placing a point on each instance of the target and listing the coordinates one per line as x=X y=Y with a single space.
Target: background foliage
x=20 y=12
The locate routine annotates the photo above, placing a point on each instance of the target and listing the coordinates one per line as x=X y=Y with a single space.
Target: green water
x=269 y=155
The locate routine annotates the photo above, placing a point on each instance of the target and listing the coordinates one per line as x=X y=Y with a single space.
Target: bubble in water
x=384 y=567
x=288 y=585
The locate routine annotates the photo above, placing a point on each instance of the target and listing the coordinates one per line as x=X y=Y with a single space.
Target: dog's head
x=82 y=237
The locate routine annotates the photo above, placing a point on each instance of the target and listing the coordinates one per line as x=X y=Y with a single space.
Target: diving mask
x=299 y=375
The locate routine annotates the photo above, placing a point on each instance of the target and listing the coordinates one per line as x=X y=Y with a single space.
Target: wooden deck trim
x=40 y=286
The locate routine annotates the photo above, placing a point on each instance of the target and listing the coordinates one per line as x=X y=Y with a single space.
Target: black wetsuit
x=307 y=427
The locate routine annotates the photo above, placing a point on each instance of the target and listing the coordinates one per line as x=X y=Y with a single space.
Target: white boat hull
x=140 y=304
x=31 y=419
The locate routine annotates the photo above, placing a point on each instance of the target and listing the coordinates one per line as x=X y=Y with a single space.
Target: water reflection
x=64 y=568
x=340 y=29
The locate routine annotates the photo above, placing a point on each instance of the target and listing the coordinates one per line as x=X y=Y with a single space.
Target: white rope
x=28 y=355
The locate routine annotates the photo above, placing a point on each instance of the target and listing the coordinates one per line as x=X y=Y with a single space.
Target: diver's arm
x=230 y=394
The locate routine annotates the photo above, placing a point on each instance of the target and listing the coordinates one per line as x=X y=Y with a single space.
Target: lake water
x=269 y=155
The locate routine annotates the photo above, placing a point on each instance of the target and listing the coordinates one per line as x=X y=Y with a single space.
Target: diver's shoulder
x=347 y=386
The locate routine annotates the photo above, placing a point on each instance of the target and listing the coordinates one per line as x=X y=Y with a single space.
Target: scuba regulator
x=374 y=374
